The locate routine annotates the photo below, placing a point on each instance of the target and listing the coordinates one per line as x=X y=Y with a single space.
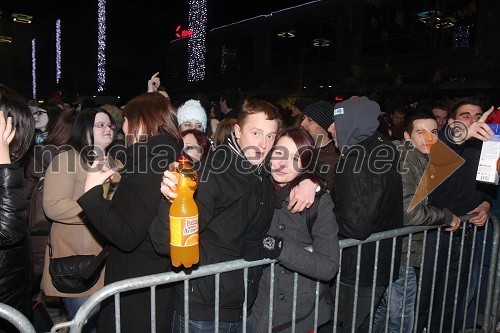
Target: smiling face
x=103 y=130
x=256 y=136
x=285 y=161
x=423 y=135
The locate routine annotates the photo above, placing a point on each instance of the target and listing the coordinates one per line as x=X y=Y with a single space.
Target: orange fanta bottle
x=184 y=248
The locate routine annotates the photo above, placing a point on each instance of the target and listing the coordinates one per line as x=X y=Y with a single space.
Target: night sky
x=138 y=37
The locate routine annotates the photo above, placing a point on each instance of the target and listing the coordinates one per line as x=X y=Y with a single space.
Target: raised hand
x=480 y=129
x=7 y=133
x=154 y=82
x=99 y=173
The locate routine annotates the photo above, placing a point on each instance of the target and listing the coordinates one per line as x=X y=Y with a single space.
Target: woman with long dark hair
x=71 y=234
x=152 y=142
x=16 y=133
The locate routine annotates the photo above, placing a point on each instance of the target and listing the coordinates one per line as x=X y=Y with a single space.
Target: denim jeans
x=395 y=304
x=199 y=326
x=72 y=304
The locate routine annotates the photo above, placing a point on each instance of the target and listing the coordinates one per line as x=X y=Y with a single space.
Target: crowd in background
x=119 y=208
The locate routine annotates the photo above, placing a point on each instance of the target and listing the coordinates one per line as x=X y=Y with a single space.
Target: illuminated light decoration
x=424 y=17
x=322 y=42
x=269 y=15
x=437 y=20
x=446 y=22
x=101 y=45
x=58 y=50
x=182 y=33
x=196 y=43
x=287 y=34
x=5 y=39
x=223 y=64
x=462 y=36
x=338 y=99
x=33 y=68
x=22 y=18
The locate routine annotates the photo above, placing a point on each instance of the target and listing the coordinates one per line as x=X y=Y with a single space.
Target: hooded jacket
x=367 y=191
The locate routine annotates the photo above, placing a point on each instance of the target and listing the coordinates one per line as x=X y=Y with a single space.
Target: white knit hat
x=192 y=110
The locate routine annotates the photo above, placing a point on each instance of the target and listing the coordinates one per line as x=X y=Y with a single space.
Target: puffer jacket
x=412 y=167
x=15 y=257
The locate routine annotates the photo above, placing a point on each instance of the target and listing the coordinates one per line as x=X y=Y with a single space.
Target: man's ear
x=407 y=136
x=451 y=122
x=237 y=131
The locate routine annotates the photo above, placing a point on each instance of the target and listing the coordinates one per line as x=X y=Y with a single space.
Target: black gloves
x=268 y=247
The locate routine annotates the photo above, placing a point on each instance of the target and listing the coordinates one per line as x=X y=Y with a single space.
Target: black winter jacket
x=124 y=222
x=368 y=198
x=15 y=254
x=460 y=192
x=235 y=205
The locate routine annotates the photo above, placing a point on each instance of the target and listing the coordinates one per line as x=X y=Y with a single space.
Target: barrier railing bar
x=16 y=318
x=169 y=277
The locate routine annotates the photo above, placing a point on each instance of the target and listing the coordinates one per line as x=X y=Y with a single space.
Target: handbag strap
x=92 y=267
x=49 y=244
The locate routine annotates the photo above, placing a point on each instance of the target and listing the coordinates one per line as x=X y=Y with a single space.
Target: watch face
x=269 y=243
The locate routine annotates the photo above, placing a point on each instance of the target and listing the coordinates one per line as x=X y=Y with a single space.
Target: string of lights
x=101 y=45
x=196 y=43
x=462 y=36
x=33 y=67
x=58 y=50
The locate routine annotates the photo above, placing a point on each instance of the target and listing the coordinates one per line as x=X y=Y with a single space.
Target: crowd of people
x=291 y=182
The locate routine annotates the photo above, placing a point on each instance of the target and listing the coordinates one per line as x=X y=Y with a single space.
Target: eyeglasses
x=38 y=112
x=102 y=125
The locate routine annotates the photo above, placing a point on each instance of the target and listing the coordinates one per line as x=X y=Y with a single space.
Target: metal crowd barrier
x=488 y=321
x=16 y=318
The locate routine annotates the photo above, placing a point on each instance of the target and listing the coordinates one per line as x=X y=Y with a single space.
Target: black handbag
x=76 y=274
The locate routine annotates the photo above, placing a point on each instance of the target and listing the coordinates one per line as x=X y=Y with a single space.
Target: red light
x=338 y=98
x=182 y=33
x=186 y=33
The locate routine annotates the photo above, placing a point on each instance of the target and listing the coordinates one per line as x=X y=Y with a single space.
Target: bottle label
x=183 y=230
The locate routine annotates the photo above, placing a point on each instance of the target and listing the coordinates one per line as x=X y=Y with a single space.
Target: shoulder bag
x=76 y=274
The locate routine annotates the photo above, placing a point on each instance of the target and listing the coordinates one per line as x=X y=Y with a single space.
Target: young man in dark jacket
x=368 y=198
x=460 y=194
x=236 y=203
